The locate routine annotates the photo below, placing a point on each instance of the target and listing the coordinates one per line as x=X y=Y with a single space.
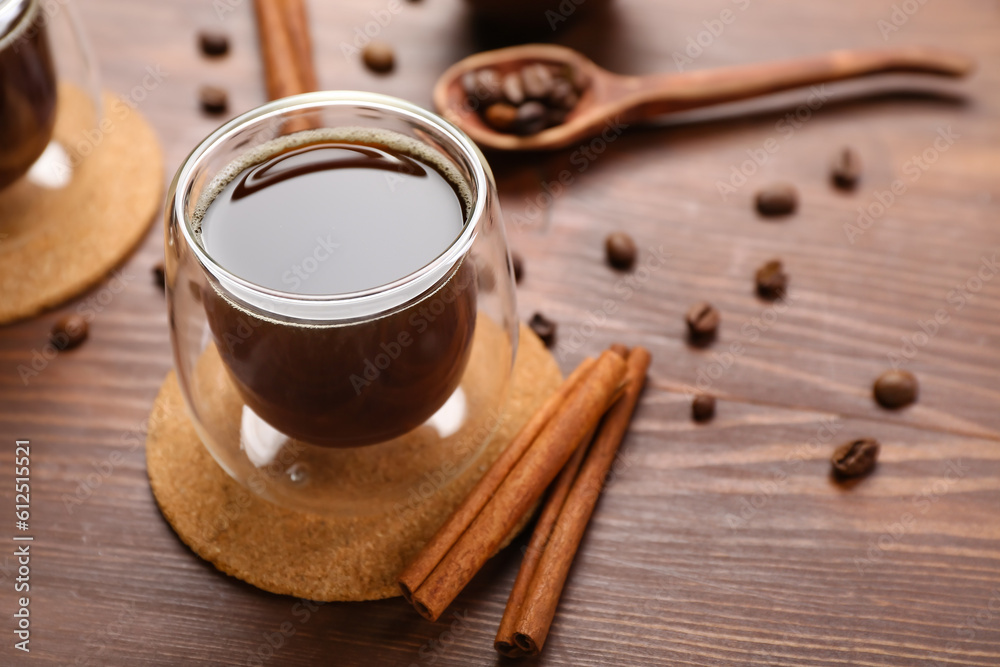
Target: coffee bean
x=68 y=332
x=855 y=458
x=896 y=388
x=563 y=96
x=544 y=328
x=579 y=79
x=702 y=320
x=772 y=282
x=469 y=82
x=513 y=89
x=213 y=43
x=518 y=265
x=703 y=407
x=537 y=79
x=379 y=57
x=214 y=100
x=846 y=171
x=530 y=118
x=501 y=116
x=620 y=250
x=159 y=275
x=777 y=199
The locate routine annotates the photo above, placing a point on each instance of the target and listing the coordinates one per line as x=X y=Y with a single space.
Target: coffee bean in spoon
x=501 y=116
x=513 y=89
x=531 y=118
x=537 y=79
x=896 y=388
x=563 y=96
x=846 y=170
x=777 y=199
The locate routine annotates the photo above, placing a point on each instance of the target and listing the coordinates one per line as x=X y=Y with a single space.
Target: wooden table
x=726 y=543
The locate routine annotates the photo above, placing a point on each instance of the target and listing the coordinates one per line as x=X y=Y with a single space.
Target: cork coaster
x=323 y=557
x=84 y=206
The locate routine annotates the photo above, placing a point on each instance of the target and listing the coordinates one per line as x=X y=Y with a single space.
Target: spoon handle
x=658 y=94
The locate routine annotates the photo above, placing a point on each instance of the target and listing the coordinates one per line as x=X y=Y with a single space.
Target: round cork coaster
x=319 y=557
x=81 y=209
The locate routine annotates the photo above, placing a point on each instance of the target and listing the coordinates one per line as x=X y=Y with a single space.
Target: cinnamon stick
x=523 y=486
x=296 y=23
x=546 y=587
x=281 y=66
x=446 y=536
x=504 y=642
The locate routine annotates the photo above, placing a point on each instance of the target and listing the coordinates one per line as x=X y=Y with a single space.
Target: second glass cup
x=341 y=300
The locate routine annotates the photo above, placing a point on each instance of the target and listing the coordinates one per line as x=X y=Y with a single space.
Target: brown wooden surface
x=666 y=576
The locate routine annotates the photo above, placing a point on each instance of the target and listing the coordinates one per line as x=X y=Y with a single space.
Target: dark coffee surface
x=331 y=218
x=27 y=93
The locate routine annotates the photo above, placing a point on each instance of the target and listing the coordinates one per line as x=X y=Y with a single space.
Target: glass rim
x=429 y=273
x=15 y=16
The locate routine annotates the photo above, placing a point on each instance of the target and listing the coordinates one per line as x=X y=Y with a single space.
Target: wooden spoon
x=610 y=97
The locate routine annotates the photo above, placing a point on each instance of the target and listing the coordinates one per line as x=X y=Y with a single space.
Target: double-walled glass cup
x=342 y=403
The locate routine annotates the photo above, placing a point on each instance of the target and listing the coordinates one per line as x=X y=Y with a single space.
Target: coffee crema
x=335 y=212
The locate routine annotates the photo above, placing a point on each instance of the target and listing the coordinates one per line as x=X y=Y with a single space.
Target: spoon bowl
x=608 y=99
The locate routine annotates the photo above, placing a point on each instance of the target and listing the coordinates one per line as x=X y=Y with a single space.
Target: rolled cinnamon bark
x=446 y=536
x=523 y=486
x=538 y=610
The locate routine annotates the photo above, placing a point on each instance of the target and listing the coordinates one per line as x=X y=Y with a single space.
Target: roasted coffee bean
x=703 y=407
x=501 y=116
x=518 y=265
x=620 y=250
x=379 y=57
x=531 y=118
x=702 y=320
x=213 y=43
x=855 y=458
x=777 y=199
x=562 y=96
x=513 y=89
x=68 y=332
x=214 y=100
x=772 y=282
x=846 y=171
x=159 y=275
x=544 y=328
x=537 y=79
x=896 y=388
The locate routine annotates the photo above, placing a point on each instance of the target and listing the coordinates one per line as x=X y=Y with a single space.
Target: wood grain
x=717 y=544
